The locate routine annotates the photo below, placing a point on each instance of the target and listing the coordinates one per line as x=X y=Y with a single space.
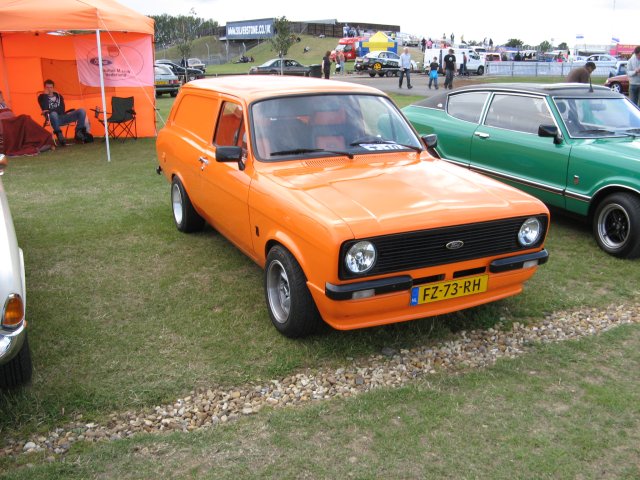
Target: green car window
x=518 y=112
x=467 y=106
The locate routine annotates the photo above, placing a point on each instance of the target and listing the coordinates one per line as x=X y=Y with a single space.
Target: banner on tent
x=127 y=64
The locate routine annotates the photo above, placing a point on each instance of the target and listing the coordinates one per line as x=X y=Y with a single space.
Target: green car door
x=507 y=145
x=454 y=127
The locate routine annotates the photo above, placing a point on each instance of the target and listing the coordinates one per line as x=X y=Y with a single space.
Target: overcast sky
x=532 y=22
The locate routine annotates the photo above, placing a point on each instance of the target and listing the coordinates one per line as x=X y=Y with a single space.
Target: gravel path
x=207 y=408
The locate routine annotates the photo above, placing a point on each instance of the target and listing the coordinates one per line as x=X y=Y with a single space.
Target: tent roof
x=52 y=15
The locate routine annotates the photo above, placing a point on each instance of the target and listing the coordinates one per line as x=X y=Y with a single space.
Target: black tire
x=616 y=87
x=372 y=74
x=184 y=215
x=173 y=94
x=289 y=302
x=381 y=74
x=18 y=370
x=616 y=225
x=158 y=94
x=480 y=70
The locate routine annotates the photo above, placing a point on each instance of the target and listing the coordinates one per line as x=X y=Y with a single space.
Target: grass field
x=126 y=312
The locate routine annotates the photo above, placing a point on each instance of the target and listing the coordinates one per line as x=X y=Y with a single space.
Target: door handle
x=481 y=135
x=204 y=162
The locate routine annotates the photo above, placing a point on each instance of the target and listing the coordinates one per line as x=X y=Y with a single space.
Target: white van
x=475 y=64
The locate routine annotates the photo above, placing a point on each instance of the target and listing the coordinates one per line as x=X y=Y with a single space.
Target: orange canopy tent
x=41 y=39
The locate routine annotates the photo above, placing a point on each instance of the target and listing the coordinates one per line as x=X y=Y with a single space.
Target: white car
x=602 y=60
x=196 y=63
x=15 y=356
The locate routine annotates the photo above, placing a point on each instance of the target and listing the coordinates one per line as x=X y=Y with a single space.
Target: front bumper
x=11 y=342
x=406 y=282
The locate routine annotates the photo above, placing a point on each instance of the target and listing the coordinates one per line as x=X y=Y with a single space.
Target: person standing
x=581 y=74
x=340 y=58
x=326 y=64
x=433 y=72
x=405 y=67
x=633 y=72
x=463 y=70
x=449 y=69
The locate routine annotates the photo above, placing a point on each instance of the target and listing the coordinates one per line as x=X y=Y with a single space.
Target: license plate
x=162 y=82
x=434 y=292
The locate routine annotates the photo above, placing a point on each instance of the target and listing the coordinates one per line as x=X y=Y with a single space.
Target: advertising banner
x=250 y=29
x=127 y=64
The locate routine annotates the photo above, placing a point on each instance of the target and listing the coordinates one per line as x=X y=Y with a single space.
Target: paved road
x=390 y=84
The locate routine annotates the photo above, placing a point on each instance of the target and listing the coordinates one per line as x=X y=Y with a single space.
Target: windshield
x=329 y=125
x=599 y=117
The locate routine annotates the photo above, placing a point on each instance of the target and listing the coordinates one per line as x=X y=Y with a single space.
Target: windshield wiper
x=298 y=151
x=632 y=130
x=596 y=130
x=379 y=141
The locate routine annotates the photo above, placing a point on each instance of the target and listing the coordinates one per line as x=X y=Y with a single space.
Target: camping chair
x=47 y=123
x=122 y=120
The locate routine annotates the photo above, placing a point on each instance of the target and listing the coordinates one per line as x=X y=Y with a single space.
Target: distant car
x=573 y=146
x=328 y=188
x=492 y=57
x=619 y=69
x=289 y=67
x=15 y=356
x=179 y=70
x=381 y=63
x=602 y=58
x=619 y=83
x=166 y=81
x=196 y=63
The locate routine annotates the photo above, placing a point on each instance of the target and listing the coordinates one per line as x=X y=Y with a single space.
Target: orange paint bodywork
x=312 y=206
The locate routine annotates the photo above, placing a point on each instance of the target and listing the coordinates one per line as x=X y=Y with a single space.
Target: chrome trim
x=529 y=183
x=11 y=342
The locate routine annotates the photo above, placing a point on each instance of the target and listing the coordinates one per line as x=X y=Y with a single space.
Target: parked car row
x=187 y=74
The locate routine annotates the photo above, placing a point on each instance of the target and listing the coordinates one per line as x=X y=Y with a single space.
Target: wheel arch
x=605 y=192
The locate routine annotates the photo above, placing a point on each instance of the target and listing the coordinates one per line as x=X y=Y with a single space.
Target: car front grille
x=427 y=248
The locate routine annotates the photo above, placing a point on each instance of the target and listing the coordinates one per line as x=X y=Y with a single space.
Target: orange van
x=328 y=188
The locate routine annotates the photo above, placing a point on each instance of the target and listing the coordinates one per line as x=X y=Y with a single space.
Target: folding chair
x=122 y=122
x=47 y=123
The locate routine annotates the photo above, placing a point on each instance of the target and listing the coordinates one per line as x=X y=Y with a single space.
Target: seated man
x=52 y=104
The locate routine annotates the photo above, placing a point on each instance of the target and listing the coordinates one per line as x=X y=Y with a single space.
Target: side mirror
x=230 y=154
x=3 y=163
x=431 y=141
x=550 y=131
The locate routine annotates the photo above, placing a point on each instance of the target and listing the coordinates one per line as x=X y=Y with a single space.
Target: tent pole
x=104 y=100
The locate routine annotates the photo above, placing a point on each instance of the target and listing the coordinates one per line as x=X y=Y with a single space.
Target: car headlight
x=530 y=232
x=361 y=257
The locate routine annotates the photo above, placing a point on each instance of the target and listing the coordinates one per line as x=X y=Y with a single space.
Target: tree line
x=182 y=30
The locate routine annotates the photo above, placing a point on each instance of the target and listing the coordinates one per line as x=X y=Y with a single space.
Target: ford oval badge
x=454 y=245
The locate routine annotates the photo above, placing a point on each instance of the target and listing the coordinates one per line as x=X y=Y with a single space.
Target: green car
x=573 y=146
